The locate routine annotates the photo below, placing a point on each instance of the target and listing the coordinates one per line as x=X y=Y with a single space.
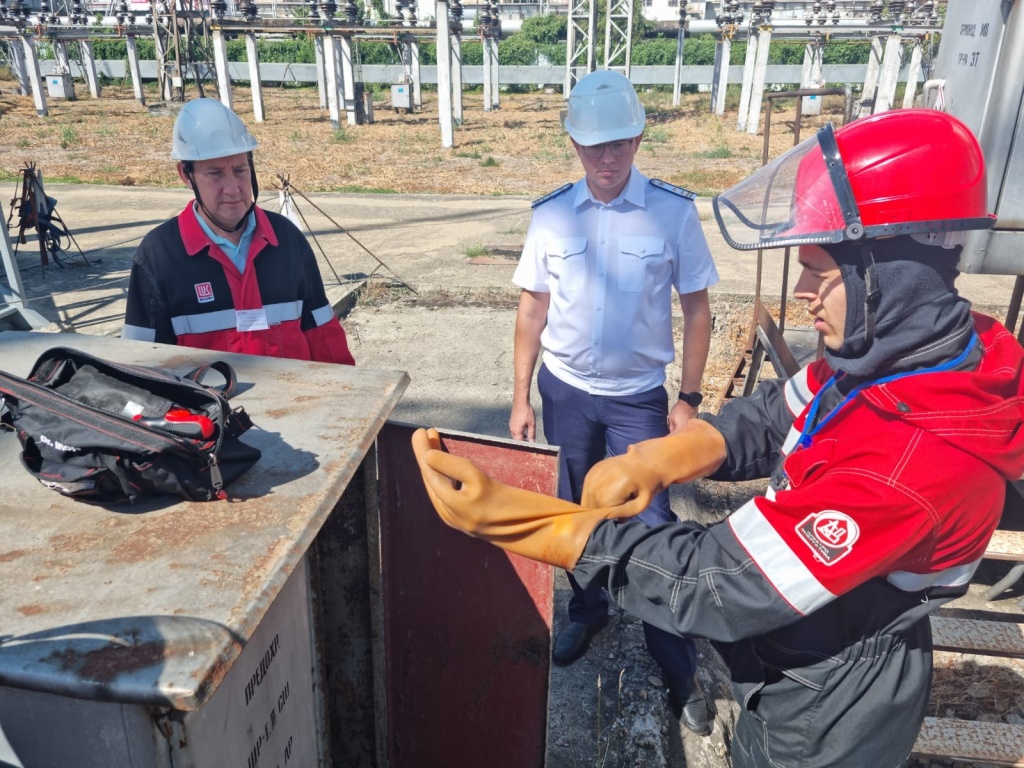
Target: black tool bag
x=104 y=432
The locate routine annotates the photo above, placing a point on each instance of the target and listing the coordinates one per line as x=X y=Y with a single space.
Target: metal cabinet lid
x=151 y=603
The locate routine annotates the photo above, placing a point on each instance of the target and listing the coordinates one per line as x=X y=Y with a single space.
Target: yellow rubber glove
x=649 y=467
x=530 y=524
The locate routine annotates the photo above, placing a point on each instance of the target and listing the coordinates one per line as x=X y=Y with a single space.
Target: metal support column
x=749 y=63
x=63 y=64
x=677 y=81
x=35 y=78
x=579 y=42
x=760 y=75
x=720 y=78
x=348 y=78
x=133 y=67
x=810 y=77
x=889 y=75
x=455 y=25
x=457 y=78
x=417 y=78
x=495 y=79
x=486 y=52
x=89 y=62
x=162 y=74
x=220 y=59
x=867 y=94
x=913 y=73
x=13 y=302
x=484 y=26
x=618 y=35
x=332 y=69
x=254 y=77
x=321 y=77
x=444 y=74
x=20 y=70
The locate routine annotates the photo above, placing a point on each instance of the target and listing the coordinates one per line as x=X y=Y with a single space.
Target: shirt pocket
x=637 y=257
x=567 y=261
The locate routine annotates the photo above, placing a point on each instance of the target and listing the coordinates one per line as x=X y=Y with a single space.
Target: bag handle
x=224 y=369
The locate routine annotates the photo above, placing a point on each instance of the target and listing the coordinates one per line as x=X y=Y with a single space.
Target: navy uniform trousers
x=587 y=428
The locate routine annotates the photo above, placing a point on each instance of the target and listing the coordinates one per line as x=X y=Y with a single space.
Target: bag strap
x=224 y=369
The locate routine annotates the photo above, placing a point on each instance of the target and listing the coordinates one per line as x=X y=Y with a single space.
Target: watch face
x=693 y=399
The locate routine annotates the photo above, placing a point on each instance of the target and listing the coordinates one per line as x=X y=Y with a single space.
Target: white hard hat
x=206 y=129
x=604 y=107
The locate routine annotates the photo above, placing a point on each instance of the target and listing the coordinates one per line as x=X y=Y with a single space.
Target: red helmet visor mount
x=806 y=197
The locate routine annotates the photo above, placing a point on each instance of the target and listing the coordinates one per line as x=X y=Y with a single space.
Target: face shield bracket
x=840 y=183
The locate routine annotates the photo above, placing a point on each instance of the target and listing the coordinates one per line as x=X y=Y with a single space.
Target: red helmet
x=899 y=172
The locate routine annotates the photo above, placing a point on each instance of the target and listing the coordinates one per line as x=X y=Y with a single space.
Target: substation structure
x=191 y=44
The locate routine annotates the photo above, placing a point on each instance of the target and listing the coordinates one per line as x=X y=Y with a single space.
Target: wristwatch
x=692 y=399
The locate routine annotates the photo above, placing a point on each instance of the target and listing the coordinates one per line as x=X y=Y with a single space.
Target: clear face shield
x=801 y=198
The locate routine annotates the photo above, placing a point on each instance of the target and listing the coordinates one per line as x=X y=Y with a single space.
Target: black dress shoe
x=686 y=700
x=573 y=641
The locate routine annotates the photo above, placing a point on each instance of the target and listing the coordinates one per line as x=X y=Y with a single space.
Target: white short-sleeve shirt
x=610 y=270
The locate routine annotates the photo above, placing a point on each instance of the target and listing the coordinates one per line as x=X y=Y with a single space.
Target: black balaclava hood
x=919 y=319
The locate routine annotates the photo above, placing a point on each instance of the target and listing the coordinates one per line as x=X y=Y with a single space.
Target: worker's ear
x=183 y=175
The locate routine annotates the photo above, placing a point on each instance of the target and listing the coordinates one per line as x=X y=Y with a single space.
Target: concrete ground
x=454 y=337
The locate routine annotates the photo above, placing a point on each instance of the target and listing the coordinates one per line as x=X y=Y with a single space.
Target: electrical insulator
x=896 y=8
x=250 y=11
x=682 y=14
x=876 y=12
x=328 y=8
x=219 y=8
x=351 y=12
x=455 y=17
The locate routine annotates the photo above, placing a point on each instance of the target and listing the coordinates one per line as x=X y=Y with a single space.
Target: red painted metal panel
x=467 y=626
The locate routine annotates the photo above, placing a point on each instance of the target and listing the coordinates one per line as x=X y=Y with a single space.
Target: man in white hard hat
x=597 y=271
x=224 y=274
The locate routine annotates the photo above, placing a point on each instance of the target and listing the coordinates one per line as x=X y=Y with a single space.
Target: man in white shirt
x=601 y=259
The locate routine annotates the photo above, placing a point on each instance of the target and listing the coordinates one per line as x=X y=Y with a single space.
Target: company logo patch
x=204 y=292
x=829 y=534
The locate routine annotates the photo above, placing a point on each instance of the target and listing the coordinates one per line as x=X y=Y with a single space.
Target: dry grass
x=517 y=149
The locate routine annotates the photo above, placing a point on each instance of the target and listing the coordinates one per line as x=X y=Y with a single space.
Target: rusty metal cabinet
x=324 y=616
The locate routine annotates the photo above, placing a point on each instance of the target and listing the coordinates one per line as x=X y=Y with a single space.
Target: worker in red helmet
x=887 y=461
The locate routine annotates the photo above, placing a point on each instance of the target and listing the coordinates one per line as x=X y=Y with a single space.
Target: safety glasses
x=617 y=148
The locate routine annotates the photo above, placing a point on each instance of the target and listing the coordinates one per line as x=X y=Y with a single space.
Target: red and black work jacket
x=185 y=290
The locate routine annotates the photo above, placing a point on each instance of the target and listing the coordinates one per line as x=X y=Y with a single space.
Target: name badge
x=250 y=320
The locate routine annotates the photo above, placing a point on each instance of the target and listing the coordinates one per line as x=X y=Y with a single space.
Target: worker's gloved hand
x=647 y=468
x=530 y=524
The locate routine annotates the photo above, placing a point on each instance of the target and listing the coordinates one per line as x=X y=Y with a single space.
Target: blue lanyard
x=808 y=433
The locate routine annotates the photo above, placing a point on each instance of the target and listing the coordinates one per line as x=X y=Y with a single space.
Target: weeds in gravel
x=603 y=736
x=68 y=136
x=473 y=251
x=656 y=135
x=719 y=152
